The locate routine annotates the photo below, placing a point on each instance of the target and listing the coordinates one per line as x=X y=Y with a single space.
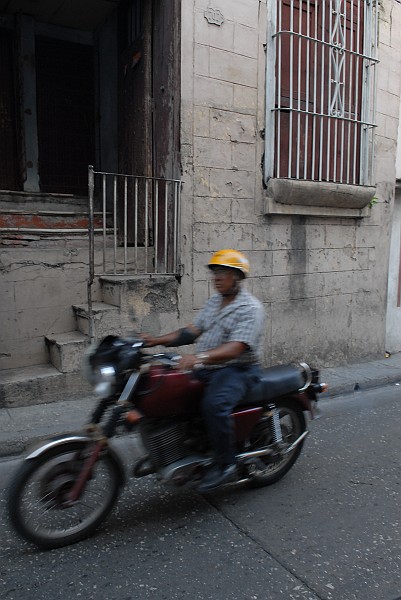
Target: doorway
x=10 y=175
x=65 y=114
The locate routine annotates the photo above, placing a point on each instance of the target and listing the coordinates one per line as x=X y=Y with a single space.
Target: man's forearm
x=215 y=356
x=224 y=353
x=184 y=336
x=180 y=337
x=166 y=339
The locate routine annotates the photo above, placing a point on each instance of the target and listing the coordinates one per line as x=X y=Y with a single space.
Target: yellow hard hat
x=230 y=258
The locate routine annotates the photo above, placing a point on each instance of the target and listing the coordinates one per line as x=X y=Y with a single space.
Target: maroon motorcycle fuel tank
x=165 y=392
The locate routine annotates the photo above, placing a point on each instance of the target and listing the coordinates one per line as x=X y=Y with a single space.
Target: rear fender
x=78 y=441
x=305 y=403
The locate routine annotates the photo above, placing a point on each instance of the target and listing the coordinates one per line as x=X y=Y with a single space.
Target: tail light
x=320 y=388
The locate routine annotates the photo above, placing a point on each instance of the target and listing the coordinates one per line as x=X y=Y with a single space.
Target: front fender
x=77 y=440
x=55 y=443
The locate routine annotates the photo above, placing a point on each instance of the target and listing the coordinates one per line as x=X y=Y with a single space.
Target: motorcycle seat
x=274 y=382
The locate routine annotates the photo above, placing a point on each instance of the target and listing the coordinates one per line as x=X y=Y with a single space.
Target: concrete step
x=40 y=384
x=159 y=292
x=108 y=319
x=67 y=350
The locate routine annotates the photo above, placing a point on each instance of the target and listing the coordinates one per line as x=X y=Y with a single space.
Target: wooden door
x=135 y=117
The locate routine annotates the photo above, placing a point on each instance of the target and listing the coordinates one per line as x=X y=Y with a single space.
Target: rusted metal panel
x=9 y=169
x=65 y=106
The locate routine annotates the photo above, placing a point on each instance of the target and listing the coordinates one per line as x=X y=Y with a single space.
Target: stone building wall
x=322 y=280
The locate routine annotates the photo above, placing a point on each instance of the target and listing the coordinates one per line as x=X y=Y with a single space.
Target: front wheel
x=269 y=469
x=37 y=496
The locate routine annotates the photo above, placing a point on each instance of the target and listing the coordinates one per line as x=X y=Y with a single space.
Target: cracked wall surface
x=38 y=288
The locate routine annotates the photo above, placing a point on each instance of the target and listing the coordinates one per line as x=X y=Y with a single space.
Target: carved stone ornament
x=214 y=16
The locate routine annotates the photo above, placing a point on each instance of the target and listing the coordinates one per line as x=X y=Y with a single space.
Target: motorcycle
x=66 y=488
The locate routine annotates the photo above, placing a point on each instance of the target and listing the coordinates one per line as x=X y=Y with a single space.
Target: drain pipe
x=91 y=231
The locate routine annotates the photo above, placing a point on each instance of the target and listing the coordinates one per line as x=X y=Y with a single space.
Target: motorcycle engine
x=177 y=450
x=164 y=441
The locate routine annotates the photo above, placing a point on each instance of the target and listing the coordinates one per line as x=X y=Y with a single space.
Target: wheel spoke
x=271 y=468
x=38 y=510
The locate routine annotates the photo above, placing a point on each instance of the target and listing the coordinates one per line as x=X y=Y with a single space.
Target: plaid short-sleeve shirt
x=240 y=321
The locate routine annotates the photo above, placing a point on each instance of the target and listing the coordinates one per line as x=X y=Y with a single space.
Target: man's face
x=224 y=279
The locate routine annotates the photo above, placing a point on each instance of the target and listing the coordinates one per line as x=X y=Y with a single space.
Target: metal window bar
x=315 y=119
x=330 y=129
x=328 y=100
x=299 y=85
x=139 y=229
x=357 y=65
x=321 y=100
x=272 y=122
x=290 y=137
x=374 y=86
x=308 y=60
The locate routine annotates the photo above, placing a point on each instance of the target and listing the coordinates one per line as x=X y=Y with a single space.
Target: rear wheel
x=269 y=469
x=37 y=497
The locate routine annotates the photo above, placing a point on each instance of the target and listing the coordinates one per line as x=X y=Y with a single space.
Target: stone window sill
x=317 y=198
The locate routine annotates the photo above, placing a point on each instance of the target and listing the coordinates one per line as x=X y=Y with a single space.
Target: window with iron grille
x=320 y=92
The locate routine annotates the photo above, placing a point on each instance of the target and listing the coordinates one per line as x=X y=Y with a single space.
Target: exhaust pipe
x=272 y=452
x=297 y=441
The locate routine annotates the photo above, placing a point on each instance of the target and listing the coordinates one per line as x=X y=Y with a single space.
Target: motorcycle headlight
x=105 y=379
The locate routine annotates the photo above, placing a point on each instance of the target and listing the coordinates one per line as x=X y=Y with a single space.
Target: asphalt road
x=331 y=529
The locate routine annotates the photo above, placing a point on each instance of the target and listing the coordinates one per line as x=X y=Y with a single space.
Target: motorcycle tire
x=269 y=470
x=36 y=493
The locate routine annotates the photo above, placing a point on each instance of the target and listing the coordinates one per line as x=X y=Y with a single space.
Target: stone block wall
x=323 y=280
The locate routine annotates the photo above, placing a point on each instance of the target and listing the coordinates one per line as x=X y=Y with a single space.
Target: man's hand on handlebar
x=150 y=340
x=188 y=362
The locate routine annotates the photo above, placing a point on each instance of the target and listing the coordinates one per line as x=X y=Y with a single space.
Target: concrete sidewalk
x=22 y=426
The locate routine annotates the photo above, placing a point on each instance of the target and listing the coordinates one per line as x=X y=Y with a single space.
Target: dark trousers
x=224 y=389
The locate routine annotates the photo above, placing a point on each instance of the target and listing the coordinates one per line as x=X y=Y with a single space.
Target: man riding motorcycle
x=229 y=330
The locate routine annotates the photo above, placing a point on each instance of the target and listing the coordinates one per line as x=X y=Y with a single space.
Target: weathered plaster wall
x=38 y=288
x=323 y=280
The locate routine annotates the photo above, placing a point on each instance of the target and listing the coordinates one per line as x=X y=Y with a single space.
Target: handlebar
x=164 y=358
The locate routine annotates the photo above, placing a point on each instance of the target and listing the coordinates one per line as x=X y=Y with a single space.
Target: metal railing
x=137 y=222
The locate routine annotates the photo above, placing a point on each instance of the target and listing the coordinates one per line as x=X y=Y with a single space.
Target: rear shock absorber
x=275 y=425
